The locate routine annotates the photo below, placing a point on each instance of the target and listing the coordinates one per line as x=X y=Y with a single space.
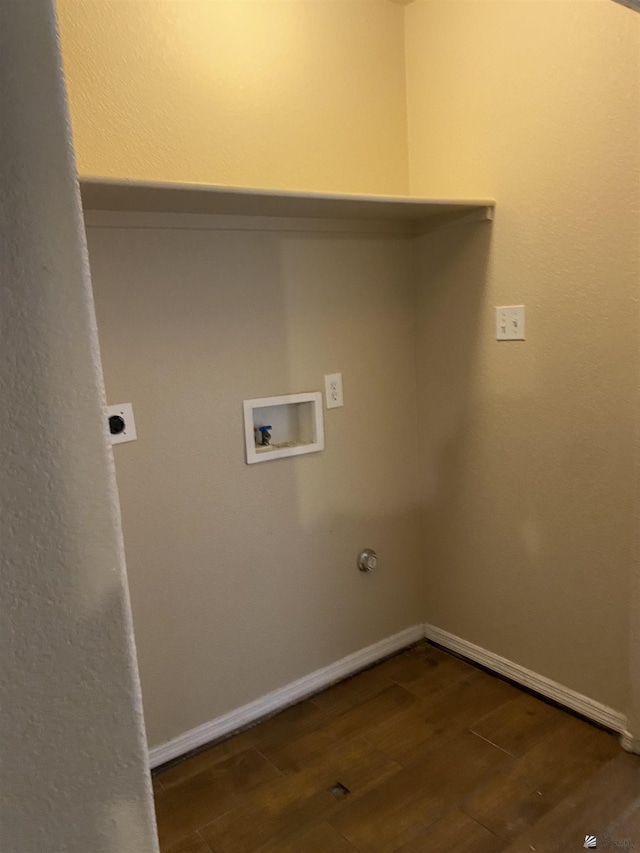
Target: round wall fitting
x=368 y=560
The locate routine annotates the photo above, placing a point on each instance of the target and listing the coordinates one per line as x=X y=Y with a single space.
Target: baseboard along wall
x=284 y=696
x=306 y=686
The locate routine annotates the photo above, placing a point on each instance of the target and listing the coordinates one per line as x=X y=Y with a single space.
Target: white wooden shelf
x=106 y=194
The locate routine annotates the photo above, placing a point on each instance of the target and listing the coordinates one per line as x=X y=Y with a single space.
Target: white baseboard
x=630 y=743
x=545 y=686
x=321 y=678
x=287 y=695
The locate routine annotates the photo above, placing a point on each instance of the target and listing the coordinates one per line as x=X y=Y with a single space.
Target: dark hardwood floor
x=430 y=755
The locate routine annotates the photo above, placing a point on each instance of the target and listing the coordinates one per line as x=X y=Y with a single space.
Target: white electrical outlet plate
x=510 y=323
x=123 y=421
x=333 y=390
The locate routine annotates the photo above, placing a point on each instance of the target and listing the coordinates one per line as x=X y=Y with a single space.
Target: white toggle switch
x=510 y=323
x=333 y=390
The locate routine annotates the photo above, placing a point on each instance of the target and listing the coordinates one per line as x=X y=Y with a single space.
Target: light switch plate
x=510 y=323
x=333 y=390
x=126 y=425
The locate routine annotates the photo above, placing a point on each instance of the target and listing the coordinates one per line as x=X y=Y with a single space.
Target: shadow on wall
x=523 y=454
x=452 y=271
x=244 y=578
x=452 y=279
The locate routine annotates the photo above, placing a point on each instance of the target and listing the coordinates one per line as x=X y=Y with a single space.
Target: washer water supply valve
x=265 y=435
x=368 y=560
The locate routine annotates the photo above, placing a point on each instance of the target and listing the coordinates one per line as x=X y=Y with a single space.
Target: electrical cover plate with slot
x=297 y=426
x=125 y=425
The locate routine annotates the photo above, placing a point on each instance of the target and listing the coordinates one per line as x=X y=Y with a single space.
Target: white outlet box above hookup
x=333 y=390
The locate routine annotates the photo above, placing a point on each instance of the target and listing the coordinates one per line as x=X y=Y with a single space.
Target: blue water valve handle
x=266 y=435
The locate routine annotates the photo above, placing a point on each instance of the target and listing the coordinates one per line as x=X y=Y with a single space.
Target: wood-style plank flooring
x=436 y=756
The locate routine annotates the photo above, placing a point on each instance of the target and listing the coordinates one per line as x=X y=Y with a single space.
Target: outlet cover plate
x=125 y=411
x=333 y=390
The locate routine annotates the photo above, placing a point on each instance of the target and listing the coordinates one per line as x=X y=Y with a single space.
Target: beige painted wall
x=298 y=94
x=74 y=773
x=243 y=578
x=529 y=468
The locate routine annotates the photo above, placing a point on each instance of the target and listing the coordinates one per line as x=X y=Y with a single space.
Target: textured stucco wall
x=73 y=774
x=297 y=94
x=529 y=464
x=244 y=578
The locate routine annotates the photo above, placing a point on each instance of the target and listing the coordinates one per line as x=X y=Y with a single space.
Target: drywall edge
x=74 y=770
